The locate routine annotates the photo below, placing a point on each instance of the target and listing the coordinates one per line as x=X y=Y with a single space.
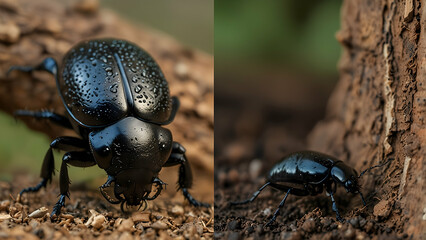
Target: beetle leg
x=185 y=174
x=77 y=159
x=55 y=118
x=64 y=183
x=47 y=170
x=278 y=209
x=69 y=144
x=253 y=197
x=334 y=206
x=49 y=65
x=48 y=167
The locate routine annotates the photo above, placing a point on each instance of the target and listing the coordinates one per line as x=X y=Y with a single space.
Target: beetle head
x=346 y=176
x=133 y=185
x=351 y=185
x=133 y=152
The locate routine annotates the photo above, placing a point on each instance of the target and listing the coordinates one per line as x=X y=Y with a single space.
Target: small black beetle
x=117 y=100
x=307 y=173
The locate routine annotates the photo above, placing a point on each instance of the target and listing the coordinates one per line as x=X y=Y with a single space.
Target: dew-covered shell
x=102 y=81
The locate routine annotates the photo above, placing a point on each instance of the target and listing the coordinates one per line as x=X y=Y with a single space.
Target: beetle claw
x=104 y=193
x=121 y=206
x=159 y=189
x=142 y=203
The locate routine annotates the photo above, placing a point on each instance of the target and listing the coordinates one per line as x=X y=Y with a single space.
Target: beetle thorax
x=131 y=144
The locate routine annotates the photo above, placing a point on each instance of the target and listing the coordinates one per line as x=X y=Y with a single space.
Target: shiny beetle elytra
x=117 y=100
x=307 y=173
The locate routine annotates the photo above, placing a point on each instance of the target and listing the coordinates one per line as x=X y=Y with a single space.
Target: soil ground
x=87 y=215
x=255 y=135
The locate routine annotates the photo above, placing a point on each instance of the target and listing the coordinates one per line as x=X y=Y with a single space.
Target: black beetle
x=307 y=173
x=117 y=100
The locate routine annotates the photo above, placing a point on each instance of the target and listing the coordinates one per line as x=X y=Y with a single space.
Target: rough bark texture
x=378 y=108
x=33 y=30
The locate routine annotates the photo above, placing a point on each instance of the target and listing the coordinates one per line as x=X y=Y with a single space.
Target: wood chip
x=98 y=221
x=39 y=213
x=141 y=217
x=4 y=216
x=126 y=225
x=159 y=225
x=178 y=210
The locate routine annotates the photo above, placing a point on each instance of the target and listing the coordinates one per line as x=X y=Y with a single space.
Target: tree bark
x=378 y=109
x=33 y=30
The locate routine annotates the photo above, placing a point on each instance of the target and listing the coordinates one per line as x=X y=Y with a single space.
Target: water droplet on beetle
x=138 y=88
x=113 y=88
x=108 y=71
x=134 y=79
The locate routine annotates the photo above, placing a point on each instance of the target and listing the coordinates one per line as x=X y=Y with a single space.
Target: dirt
x=88 y=216
x=301 y=217
x=253 y=141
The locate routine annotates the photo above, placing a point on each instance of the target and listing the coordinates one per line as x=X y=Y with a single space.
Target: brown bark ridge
x=33 y=30
x=378 y=109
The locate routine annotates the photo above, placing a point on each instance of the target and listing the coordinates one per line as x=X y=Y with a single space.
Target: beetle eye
x=105 y=151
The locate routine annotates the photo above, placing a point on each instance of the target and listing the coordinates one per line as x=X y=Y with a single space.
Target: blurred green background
x=289 y=35
x=188 y=21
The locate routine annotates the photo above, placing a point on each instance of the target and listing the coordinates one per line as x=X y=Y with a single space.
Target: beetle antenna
x=362 y=197
x=368 y=169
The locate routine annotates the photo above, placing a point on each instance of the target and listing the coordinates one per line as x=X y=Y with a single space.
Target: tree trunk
x=378 y=109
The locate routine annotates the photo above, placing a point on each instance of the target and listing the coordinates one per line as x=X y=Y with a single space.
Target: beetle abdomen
x=105 y=80
x=302 y=167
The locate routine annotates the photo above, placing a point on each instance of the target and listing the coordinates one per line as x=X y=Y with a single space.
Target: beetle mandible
x=116 y=99
x=307 y=173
